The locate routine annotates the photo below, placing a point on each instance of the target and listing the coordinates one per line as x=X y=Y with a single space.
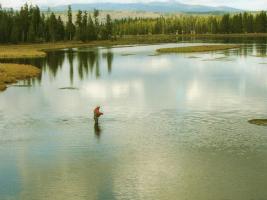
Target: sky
x=242 y=4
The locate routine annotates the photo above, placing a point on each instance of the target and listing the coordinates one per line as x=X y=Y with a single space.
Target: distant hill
x=163 y=7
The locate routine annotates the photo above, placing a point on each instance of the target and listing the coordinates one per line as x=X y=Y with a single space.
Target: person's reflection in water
x=97 y=130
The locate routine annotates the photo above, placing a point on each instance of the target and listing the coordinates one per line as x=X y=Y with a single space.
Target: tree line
x=29 y=24
x=188 y=24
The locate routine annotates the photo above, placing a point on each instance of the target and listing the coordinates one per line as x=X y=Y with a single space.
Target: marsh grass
x=20 y=53
x=11 y=73
x=259 y=122
x=69 y=88
x=193 y=57
x=128 y=54
x=156 y=54
x=194 y=49
x=221 y=59
x=260 y=56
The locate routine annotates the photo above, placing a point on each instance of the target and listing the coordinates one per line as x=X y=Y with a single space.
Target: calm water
x=175 y=126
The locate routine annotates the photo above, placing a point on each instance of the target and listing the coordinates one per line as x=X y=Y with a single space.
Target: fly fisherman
x=97 y=114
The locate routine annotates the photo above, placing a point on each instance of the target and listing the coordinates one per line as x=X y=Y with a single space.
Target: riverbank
x=11 y=73
x=38 y=50
x=259 y=122
x=193 y=49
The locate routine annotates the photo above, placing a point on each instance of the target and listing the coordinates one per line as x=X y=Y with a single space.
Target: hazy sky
x=243 y=4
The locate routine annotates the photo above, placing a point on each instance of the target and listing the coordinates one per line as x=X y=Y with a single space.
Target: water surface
x=175 y=126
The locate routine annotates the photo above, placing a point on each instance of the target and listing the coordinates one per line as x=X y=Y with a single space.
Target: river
x=175 y=126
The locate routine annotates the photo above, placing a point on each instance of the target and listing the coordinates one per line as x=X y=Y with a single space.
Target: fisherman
x=97 y=114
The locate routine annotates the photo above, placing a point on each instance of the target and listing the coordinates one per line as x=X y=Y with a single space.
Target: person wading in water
x=97 y=114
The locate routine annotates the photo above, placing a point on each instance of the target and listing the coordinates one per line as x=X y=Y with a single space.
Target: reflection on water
x=175 y=126
x=109 y=57
x=97 y=130
x=86 y=61
x=70 y=57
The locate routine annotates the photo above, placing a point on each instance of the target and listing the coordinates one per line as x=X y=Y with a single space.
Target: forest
x=30 y=25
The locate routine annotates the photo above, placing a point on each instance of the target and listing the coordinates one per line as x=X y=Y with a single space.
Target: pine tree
x=52 y=27
x=108 y=28
x=261 y=22
x=60 y=29
x=91 y=32
x=84 y=27
x=225 y=24
x=78 y=24
x=70 y=28
x=24 y=21
x=96 y=25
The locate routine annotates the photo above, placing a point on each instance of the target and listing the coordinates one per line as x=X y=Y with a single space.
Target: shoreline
x=12 y=73
x=197 y=49
x=38 y=50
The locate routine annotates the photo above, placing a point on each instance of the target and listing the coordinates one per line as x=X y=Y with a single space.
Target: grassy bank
x=11 y=73
x=192 y=49
x=38 y=50
x=259 y=122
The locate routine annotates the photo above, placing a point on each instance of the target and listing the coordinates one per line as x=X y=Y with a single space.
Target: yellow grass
x=192 y=49
x=20 y=52
x=11 y=73
x=260 y=122
x=29 y=50
x=38 y=50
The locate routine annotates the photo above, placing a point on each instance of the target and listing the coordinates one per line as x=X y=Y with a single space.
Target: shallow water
x=175 y=126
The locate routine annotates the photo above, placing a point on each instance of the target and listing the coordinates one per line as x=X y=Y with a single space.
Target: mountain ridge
x=156 y=6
